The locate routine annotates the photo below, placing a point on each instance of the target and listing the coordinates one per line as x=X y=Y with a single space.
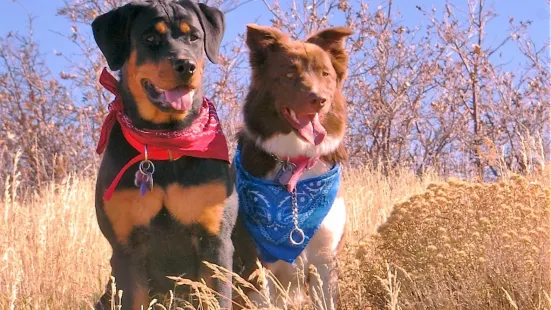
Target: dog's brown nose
x=316 y=100
x=184 y=67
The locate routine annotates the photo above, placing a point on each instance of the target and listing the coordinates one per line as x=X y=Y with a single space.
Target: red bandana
x=203 y=138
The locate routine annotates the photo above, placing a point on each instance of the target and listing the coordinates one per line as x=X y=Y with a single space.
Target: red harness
x=203 y=138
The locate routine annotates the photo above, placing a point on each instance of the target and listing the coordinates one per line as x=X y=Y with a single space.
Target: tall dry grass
x=448 y=245
x=52 y=254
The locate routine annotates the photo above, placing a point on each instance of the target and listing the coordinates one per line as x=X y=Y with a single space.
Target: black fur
x=116 y=31
x=164 y=247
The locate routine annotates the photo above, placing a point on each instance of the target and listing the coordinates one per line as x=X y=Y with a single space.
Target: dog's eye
x=152 y=39
x=193 y=38
x=290 y=75
x=325 y=73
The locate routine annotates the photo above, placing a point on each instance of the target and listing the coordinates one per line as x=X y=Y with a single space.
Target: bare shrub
x=37 y=116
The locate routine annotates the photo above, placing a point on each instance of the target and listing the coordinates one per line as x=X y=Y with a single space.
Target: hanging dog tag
x=285 y=173
x=144 y=177
x=144 y=181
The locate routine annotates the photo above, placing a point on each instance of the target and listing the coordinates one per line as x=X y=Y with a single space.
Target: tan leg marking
x=203 y=204
x=127 y=209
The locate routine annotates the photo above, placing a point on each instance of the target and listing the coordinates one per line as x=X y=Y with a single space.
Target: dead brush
x=464 y=245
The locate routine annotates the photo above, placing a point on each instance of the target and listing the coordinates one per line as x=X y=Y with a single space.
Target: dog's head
x=159 y=47
x=295 y=105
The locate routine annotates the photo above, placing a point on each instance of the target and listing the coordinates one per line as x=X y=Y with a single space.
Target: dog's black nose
x=184 y=67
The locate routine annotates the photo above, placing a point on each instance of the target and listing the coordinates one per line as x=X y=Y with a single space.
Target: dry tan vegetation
x=459 y=245
x=52 y=253
x=445 y=245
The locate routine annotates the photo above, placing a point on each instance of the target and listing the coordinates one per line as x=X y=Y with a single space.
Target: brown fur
x=162 y=75
x=271 y=87
x=197 y=78
x=284 y=72
x=128 y=209
x=141 y=297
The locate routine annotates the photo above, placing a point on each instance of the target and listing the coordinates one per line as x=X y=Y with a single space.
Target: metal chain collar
x=296 y=236
x=296 y=232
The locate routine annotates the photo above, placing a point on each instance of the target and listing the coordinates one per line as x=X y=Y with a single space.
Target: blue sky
x=13 y=18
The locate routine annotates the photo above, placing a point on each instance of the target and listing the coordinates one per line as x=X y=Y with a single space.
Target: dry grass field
x=441 y=245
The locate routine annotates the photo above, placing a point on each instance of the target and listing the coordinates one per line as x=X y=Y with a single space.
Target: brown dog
x=164 y=189
x=291 y=215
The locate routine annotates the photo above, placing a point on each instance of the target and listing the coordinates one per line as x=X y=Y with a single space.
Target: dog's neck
x=291 y=145
x=261 y=157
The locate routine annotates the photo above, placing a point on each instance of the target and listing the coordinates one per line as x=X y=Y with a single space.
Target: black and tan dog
x=177 y=210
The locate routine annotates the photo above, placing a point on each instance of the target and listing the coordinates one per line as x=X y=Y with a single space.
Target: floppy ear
x=112 y=33
x=332 y=41
x=214 y=25
x=260 y=40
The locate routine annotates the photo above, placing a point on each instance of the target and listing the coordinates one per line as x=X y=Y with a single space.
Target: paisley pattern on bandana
x=266 y=209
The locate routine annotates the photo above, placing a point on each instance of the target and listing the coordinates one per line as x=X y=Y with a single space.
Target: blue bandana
x=266 y=209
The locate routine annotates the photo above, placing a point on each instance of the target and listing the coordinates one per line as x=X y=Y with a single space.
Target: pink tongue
x=311 y=128
x=180 y=98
